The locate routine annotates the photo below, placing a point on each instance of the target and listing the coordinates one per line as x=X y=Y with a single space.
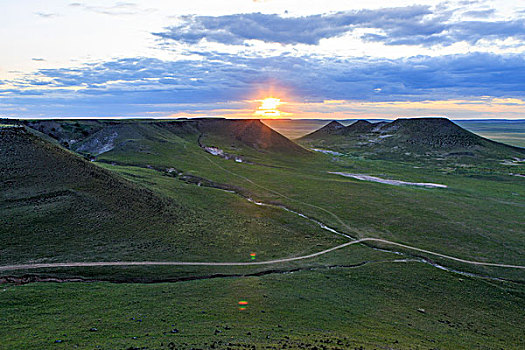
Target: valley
x=162 y=215
x=262 y=175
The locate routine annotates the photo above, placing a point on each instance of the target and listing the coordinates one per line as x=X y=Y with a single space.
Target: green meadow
x=398 y=306
x=155 y=194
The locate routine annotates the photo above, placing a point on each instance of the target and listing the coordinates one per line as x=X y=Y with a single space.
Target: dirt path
x=252 y=263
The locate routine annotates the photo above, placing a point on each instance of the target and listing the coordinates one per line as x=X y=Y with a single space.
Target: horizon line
x=261 y=119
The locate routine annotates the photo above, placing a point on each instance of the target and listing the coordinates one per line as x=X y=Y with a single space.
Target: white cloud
x=100 y=32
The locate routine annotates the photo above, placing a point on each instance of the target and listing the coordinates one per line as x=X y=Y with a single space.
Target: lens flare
x=242 y=305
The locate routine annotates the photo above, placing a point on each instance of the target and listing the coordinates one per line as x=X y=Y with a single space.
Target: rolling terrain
x=409 y=138
x=213 y=191
x=511 y=132
x=54 y=198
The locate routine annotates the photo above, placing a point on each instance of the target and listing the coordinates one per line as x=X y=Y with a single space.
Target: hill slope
x=57 y=206
x=36 y=167
x=96 y=137
x=53 y=200
x=418 y=136
x=332 y=128
x=251 y=133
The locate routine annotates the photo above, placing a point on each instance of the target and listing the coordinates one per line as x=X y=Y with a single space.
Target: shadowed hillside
x=34 y=167
x=97 y=137
x=251 y=133
x=67 y=132
x=58 y=206
x=53 y=200
x=332 y=128
x=418 y=136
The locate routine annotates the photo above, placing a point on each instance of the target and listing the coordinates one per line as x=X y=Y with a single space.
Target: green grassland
x=151 y=196
x=479 y=215
x=397 y=306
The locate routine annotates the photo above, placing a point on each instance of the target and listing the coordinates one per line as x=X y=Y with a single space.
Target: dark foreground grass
x=394 y=306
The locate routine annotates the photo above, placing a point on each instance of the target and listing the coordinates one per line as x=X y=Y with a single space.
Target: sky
x=322 y=59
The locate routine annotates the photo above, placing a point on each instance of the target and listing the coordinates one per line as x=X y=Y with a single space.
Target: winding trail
x=252 y=263
x=379 y=240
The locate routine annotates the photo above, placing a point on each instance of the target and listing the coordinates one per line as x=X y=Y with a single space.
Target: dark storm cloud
x=412 y=25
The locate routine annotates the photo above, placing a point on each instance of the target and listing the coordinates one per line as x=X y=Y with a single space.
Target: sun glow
x=268 y=108
x=270 y=103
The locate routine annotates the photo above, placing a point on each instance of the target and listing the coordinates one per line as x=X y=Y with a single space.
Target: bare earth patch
x=387 y=181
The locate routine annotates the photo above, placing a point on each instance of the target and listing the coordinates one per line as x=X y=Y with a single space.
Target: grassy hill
x=57 y=206
x=247 y=133
x=330 y=129
x=408 y=138
x=36 y=168
x=96 y=137
x=67 y=132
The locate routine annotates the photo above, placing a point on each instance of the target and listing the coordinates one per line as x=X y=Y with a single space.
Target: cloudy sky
x=323 y=59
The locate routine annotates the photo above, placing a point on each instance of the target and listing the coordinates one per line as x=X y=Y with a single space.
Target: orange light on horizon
x=270 y=103
x=268 y=108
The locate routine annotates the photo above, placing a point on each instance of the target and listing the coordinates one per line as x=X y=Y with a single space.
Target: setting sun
x=270 y=103
x=268 y=108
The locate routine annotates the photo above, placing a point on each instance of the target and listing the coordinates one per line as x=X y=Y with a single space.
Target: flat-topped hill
x=432 y=133
x=95 y=137
x=409 y=136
